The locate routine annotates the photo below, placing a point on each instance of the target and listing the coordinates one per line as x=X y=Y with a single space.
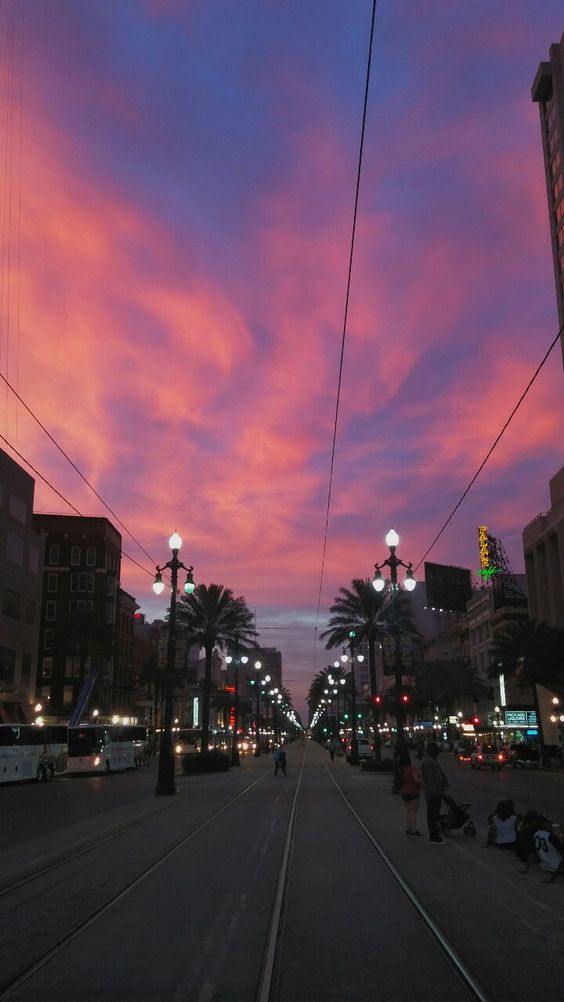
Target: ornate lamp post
x=262 y=691
x=165 y=781
x=255 y=682
x=354 y=760
x=393 y=562
x=236 y=661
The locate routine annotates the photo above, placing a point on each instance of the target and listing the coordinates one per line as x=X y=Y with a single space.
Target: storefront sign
x=520 y=718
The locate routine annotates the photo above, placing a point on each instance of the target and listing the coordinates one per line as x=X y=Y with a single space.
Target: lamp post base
x=166 y=787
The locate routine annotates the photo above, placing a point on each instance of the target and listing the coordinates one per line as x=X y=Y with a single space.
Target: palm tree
x=528 y=653
x=213 y=617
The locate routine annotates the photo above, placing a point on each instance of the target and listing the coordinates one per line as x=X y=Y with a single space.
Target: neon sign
x=484 y=546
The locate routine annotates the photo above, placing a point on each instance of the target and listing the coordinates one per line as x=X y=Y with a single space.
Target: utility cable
x=488 y=454
x=65 y=499
x=75 y=467
x=345 y=318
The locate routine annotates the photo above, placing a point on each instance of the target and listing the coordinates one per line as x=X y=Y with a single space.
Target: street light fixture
x=236 y=661
x=165 y=781
x=393 y=562
x=255 y=682
x=354 y=759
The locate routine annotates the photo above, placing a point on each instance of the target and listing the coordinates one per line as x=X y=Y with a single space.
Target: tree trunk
x=206 y=700
x=373 y=694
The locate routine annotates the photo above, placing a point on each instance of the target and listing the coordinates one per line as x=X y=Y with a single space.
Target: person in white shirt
x=549 y=848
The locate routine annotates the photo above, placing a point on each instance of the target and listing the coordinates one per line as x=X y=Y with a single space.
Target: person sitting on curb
x=525 y=841
x=549 y=848
x=502 y=826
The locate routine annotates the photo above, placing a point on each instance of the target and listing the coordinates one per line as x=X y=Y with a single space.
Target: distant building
x=548 y=92
x=79 y=613
x=21 y=568
x=543 y=546
x=271 y=661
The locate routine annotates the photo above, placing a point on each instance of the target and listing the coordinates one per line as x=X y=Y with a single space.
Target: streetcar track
x=23 y=976
x=447 y=948
x=61 y=857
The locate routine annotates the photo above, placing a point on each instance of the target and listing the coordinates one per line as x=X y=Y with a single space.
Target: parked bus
x=28 y=751
x=106 y=747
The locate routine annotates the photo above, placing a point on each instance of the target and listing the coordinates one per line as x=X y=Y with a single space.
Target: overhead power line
x=75 y=468
x=490 y=451
x=345 y=319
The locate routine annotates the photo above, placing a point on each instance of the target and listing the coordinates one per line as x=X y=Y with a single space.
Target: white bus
x=106 y=747
x=28 y=751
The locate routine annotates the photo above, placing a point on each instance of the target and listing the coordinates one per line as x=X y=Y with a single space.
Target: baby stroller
x=454 y=816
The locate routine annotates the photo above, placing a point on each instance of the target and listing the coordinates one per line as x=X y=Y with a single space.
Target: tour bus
x=31 y=751
x=106 y=747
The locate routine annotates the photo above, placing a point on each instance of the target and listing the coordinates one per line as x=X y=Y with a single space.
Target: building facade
x=543 y=546
x=79 y=611
x=548 y=92
x=21 y=567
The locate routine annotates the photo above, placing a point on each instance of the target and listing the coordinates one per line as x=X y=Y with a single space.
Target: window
x=110 y=585
x=26 y=671
x=7 y=664
x=91 y=556
x=68 y=695
x=17 y=508
x=30 y=612
x=33 y=559
x=52 y=582
x=47 y=668
x=110 y=612
x=50 y=611
x=15 y=548
x=75 y=556
x=81 y=605
x=48 y=639
x=45 y=693
x=82 y=582
x=72 y=666
x=54 y=553
x=11 y=604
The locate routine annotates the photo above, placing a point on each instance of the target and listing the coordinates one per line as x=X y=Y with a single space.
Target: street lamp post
x=165 y=781
x=354 y=760
x=236 y=661
x=393 y=562
x=262 y=690
x=258 y=666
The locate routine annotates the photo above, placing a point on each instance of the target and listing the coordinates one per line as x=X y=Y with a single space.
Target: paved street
x=186 y=887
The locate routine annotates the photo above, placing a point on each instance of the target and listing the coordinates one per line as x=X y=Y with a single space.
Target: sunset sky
x=178 y=186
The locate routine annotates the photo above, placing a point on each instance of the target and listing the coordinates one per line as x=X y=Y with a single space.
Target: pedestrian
x=502 y=826
x=332 y=746
x=410 y=790
x=279 y=760
x=436 y=785
x=525 y=841
x=549 y=848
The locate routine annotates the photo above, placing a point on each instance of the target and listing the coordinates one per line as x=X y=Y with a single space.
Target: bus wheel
x=41 y=775
x=107 y=768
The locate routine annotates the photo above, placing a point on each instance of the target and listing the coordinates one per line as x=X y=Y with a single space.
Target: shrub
x=370 y=765
x=211 y=761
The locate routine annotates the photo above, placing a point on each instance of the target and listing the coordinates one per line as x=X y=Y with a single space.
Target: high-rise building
x=21 y=572
x=548 y=92
x=543 y=545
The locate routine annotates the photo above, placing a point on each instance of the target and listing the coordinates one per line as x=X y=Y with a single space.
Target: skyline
x=178 y=201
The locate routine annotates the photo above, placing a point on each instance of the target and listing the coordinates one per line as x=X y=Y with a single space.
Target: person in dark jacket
x=436 y=785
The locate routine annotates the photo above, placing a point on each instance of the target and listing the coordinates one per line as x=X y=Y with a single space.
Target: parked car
x=487 y=756
x=524 y=756
x=364 y=749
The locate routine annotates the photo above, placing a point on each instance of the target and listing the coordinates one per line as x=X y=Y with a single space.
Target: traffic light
x=475 y=720
x=404 y=698
x=346 y=716
x=377 y=700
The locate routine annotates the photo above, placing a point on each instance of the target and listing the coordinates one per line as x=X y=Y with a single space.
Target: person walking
x=410 y=789
x=332 y=745
x=436 y=785
x=279 y=760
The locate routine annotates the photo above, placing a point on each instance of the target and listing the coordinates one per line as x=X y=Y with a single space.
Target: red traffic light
x=405 y=698
x=475 y=720
x=377 y=700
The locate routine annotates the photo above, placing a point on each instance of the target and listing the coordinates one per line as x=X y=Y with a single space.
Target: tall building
x=271 y=661
x=543 y=545
x=21 y=568
x=548 y=92
x=79 y=611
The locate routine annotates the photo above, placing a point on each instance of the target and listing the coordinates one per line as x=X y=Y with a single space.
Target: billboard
x=448 y=587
